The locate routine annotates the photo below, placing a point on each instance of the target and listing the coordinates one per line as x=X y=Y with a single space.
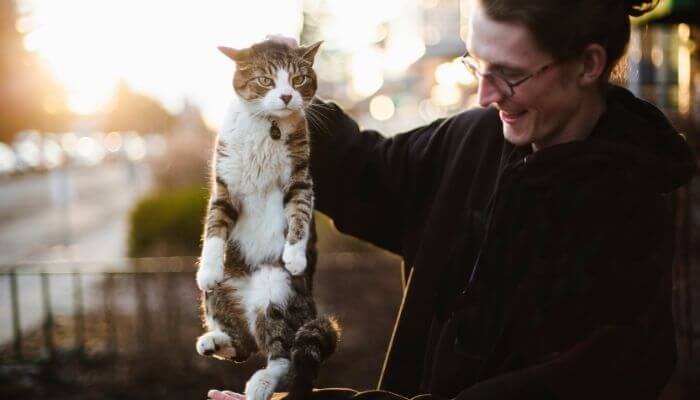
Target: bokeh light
x=381 y=108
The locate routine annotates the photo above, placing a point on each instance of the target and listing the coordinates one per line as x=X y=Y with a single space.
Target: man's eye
x=264 y=81
x=299 y=80
x=510 y=74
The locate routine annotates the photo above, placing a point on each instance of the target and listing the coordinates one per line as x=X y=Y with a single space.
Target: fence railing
x=37 y=294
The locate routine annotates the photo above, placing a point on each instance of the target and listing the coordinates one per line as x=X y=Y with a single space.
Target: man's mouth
x=510 y=117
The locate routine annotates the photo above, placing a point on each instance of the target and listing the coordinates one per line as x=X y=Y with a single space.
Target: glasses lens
x=497 y=81
x=500 y=84
x=471 y=66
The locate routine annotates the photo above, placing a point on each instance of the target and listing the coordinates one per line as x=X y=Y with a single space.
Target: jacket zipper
x=489 y=221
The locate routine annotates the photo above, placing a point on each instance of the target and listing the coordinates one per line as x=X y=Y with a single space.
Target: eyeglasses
x=500 y=82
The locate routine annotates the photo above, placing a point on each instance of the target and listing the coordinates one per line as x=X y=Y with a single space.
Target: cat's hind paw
x=294 y=257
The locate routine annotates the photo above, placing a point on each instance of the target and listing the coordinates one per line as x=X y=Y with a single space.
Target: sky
x=166 y=49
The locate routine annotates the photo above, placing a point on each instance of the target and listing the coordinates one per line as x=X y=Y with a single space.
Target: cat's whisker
x=318 y=126
x=318 y=108
x=317 y=119
x=319 y=112
x=312 y=119
x=320 y=105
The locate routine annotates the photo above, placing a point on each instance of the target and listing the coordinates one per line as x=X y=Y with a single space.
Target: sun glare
x=162 y=48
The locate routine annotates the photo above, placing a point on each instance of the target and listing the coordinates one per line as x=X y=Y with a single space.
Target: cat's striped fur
x=259 y=252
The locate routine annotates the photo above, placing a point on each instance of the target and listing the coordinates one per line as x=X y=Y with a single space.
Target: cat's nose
x=286 y=98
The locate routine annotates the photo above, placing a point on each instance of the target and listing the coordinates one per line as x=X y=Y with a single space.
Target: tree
x=131 y=111
x=29 y=98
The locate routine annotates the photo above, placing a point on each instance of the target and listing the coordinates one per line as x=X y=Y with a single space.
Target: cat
x=259 y=244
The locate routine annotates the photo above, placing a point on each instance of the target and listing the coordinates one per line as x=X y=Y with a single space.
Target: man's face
x=544 y=107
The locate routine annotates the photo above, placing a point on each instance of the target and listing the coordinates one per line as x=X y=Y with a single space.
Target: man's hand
x=225 y=395
x=289 y=41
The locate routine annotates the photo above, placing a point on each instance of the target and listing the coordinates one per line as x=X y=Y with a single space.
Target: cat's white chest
x=254 y=161
x=255 y=168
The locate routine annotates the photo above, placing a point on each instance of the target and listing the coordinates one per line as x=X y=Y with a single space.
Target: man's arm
x=373 y=187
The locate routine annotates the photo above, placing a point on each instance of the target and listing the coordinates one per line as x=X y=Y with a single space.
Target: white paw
x=217 y=344
x=261 y=385
x=209 y=275
x=294 y=257
x=211 y=265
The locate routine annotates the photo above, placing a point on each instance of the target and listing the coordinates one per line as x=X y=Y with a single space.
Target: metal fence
x=88 y=301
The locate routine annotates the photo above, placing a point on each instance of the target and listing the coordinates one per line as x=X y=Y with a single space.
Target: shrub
x=168 y=223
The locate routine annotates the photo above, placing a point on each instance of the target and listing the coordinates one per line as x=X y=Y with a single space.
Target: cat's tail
x=313 y=343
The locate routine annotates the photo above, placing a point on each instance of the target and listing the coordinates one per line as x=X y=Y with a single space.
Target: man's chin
x=517 y=137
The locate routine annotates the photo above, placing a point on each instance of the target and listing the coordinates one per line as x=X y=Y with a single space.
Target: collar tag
x=275 y=132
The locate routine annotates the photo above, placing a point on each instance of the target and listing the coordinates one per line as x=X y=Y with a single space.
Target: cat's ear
x=235 y=55
x=309 y=52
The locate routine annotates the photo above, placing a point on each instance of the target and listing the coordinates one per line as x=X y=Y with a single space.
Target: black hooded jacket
x=554 y=264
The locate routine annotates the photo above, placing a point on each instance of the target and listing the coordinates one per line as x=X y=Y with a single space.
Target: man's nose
x=488 y=93
x=286 y=98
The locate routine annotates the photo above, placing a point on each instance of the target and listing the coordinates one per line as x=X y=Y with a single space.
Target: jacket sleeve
x=373 y=187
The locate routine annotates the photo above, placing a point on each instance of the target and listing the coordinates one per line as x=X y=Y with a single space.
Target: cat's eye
x=265 y=81
x=299 y=80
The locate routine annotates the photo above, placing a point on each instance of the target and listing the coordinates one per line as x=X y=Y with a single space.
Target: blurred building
x=393 y=68
x=663 y=67
x=442 y=29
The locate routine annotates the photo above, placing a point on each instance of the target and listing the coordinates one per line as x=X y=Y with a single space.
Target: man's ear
x=594 y=62
x=309 y=52
x=235 y=55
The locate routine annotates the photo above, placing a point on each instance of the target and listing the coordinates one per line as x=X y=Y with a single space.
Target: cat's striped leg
x=215 y=342
x=299 y=207
x=227 y=337
x=273 y=331
x=222 y=215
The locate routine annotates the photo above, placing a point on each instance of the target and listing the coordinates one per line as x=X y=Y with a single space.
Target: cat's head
x=273 y=78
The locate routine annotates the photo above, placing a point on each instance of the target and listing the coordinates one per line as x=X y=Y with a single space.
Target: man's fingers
x=225 y=395
x=289 y=41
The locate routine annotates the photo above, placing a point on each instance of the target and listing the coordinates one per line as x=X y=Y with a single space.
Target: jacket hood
x=632 y=141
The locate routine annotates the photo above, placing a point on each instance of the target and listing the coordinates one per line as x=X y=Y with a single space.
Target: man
x=537 y=230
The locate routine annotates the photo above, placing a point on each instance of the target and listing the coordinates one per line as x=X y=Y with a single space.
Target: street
x=63 y=220
x=73 y=215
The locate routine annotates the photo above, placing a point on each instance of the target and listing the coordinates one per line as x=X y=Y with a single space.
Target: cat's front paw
x=211 y=265
x=216 y=343
x=294 y=257
x=209 y=274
